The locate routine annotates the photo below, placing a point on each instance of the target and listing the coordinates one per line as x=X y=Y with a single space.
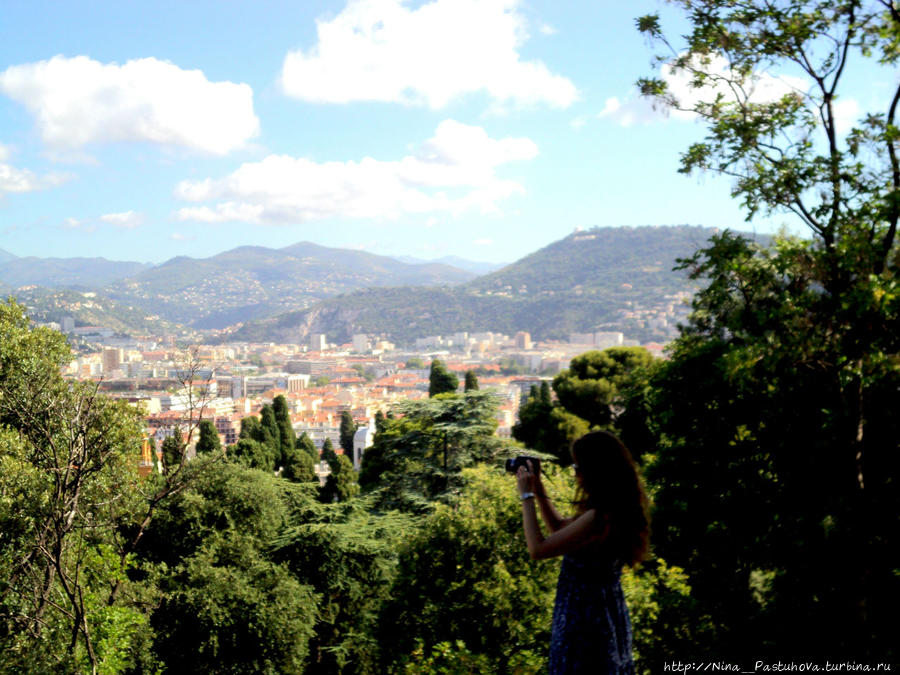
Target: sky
x=484 y=129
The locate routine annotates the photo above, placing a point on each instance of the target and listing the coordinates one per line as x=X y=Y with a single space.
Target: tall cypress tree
x=328 y=453
x=305 y=443
x=209 y=438
x=348 y=430
x=287 y=439
x=270 y=432
x=471 y=381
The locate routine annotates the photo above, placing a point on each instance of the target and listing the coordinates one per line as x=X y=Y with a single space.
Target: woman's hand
x=525 y=479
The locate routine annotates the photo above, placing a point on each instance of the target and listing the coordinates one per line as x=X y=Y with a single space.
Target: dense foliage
x=778 y=460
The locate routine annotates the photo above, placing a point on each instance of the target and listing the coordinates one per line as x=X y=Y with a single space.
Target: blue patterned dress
x=591 y=627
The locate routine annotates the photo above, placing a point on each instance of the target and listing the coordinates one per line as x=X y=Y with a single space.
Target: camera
x=513 y=464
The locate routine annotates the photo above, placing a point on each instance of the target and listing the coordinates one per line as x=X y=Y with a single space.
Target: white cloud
x=454 y=171
x=14 y=180
x=483 y=242
x=635 y=109
x=178 y=236
x=382 y=50
x=127 y=220
x=78 y=101
x=431 y=222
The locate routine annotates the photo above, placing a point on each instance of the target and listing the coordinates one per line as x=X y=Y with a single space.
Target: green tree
x=441 y=380
x=225 y=605
x=466 y=579
x=348 y=429
x=209 y=438
x=778 y=391
x=298 y=466
x=328 y=453
x=271 y=434
x=379 y=421
x=287 y=439
x=250 y=428
x=306 y=444
x=173 y=450
x=252 y=453
x=417 y=457
x=471 y=381
x=67 y=479
x=591 y=393
x=547 y=427
x=341 y=483
x=592 y=386
x=348 y=555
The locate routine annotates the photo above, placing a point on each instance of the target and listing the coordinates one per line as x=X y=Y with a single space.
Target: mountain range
x=253 y=282
x=611 y=278
x=64 y=272
x=237 y=285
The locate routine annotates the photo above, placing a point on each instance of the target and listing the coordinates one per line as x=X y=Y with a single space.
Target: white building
x=362 y=439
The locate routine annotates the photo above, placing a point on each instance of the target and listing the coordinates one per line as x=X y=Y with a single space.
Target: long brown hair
x=611 y=483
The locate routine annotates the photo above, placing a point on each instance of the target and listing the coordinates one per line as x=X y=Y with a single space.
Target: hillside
x=598 y=262
x=89 y=273
x=89 y=309
x=604 y=278
x=253 y=281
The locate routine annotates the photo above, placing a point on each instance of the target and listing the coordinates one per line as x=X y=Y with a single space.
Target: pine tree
x=471 y=381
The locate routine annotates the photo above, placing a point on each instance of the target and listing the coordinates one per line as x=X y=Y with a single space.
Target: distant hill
x=600 y=262
x=64 y=272
x=472 y=266
x=603 y=278
x=254 y=282
x=90 y=309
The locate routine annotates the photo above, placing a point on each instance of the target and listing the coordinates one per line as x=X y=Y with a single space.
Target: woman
x=591 y=628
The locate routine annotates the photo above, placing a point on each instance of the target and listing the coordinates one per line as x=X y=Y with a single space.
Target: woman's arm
x=549 y=514
x=578 y=532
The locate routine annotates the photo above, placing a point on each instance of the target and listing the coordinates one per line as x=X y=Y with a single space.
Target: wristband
x=526 y=495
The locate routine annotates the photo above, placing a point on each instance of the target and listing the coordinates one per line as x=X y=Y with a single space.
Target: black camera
x=513 y=464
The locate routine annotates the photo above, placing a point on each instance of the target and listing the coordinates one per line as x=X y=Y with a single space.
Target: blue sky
x=479 y=128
